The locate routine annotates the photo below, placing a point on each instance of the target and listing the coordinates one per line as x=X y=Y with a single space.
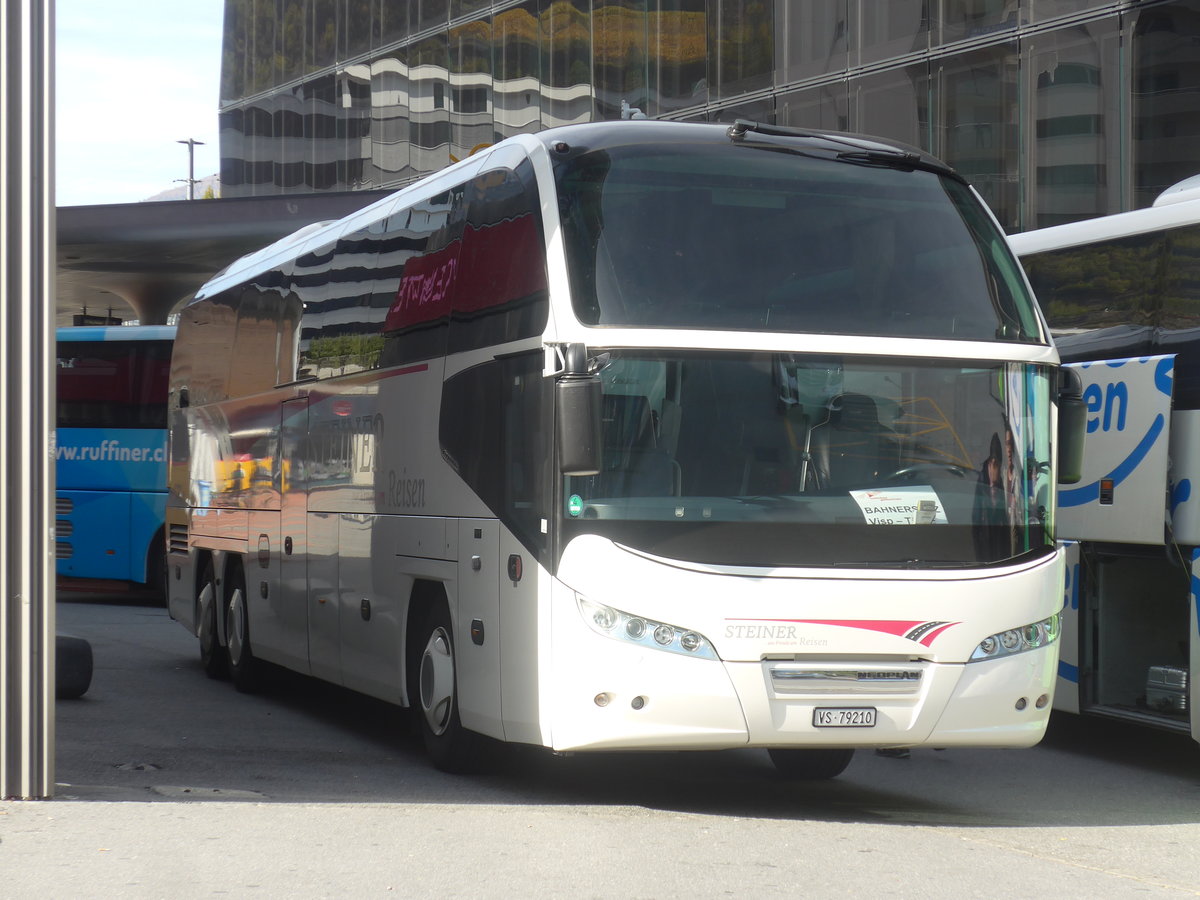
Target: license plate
x=844 y=717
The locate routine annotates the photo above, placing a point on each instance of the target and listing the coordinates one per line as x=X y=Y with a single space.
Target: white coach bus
x=1122 y=294
x=635 y=435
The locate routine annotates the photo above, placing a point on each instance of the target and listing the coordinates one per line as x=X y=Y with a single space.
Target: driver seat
x=852 y=448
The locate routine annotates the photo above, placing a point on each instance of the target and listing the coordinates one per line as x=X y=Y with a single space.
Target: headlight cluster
x=623 y=626
x=1018 y=640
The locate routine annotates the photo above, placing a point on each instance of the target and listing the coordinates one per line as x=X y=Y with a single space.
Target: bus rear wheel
x=451 y=747
x=810 y=764
x=212 y=654
x=243 y=667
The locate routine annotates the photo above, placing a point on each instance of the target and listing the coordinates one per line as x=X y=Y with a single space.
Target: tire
x=433 y=683
x=72 y=667
x=212 y=655
x=156 y=567
x=810 y=764
x=244 y=669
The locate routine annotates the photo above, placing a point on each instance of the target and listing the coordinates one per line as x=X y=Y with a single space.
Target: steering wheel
x=928 y=468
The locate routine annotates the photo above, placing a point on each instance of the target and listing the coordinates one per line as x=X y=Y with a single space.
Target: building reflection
x=1030 y=100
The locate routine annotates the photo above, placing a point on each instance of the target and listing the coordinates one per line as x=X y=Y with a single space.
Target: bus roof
x=588 y=136
x=94 y=333
x=1167 y=212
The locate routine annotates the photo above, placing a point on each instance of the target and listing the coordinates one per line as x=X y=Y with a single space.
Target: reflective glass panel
x=970 y=19
x=235 y=46
x=1040 y=10
x=894 y=105
x=619 y=54
x=678 y=43
x=1166 y=98
x=892 y=29
x=325 y=33
x=978 y=134
x=1073 y=146
x=826 y=108
x=812 y=37
x=744 y=42
x=390 y=111
x=393 y=21
x=470 y=87
x=565 y=42
x=517 y=91
x=432 y=13
x=429 y=107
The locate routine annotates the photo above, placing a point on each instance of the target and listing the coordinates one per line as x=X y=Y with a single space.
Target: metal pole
x=27 y=249
x=192 y=144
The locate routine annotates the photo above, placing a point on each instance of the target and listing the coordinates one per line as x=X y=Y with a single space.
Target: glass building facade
x=1056 y=110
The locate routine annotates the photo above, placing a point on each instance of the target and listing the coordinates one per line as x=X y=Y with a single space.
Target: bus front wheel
x=810 y=764
x=451 y=747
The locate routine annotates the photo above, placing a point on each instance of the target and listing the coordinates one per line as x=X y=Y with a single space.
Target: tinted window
x=113 y=384
x=1146 y=279
x=499 y=448
x=717 y=236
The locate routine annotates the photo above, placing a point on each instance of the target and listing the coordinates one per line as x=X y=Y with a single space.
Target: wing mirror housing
x=577 y=401
x=1072 y=426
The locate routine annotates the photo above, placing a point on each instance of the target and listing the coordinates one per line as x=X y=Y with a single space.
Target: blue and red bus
x=111 y=455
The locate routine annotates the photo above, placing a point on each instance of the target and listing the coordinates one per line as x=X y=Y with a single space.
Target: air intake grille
x=178 y=539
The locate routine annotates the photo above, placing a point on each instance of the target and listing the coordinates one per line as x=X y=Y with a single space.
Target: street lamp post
x=192 y=144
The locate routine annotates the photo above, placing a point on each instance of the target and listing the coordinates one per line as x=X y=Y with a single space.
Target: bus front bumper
x=635 y=699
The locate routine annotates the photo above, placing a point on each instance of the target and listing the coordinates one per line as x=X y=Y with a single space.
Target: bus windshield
x=704 y=237
x=772 y=460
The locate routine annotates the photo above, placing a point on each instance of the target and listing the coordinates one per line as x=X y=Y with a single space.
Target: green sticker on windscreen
x=574 y=504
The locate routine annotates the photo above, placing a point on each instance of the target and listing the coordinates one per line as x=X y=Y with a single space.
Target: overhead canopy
x=142 y=260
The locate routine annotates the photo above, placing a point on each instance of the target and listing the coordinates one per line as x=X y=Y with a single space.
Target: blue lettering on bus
x=1115 y=397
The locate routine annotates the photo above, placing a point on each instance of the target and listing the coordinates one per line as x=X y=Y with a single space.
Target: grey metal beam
x=27 y=272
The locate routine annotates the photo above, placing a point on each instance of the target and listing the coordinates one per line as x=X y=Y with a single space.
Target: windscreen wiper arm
x=860 y=150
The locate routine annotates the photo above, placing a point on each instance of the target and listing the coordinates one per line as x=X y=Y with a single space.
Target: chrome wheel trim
x=437 y=681
x=236 y=626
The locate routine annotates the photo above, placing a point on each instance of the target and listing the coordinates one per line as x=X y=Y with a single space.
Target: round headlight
x=605 y=617
x=1011 y=640
x=635 y=628
x=690 y=642
x=988 y=645
x=664 y=634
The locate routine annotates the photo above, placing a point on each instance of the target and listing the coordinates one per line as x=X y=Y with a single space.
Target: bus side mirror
x=1072 y=425
x=577 y=400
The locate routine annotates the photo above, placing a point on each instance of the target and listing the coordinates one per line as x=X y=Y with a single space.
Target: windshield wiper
x=861 y=150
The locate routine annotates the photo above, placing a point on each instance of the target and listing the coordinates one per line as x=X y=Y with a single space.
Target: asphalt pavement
x=171 y=784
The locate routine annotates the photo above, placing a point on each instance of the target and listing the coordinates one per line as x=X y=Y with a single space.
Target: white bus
x=635 y=435
x=1122 y=294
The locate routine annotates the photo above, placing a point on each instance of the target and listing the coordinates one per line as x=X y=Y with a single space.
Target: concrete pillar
x=27 y=270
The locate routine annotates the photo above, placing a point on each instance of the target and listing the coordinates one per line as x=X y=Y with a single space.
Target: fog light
x=1042 y=701
x=1022 y=703
x=638 y=702
x=603 y=699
